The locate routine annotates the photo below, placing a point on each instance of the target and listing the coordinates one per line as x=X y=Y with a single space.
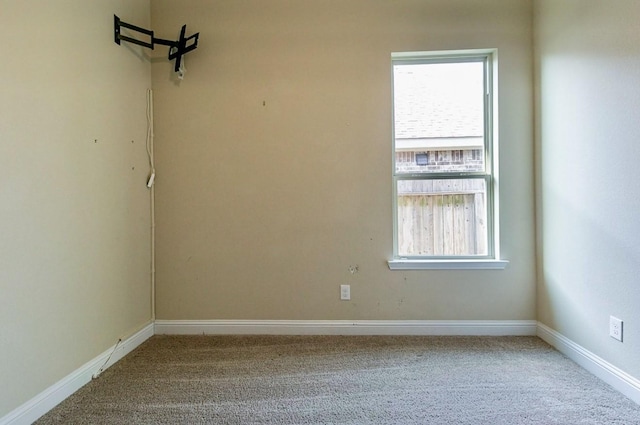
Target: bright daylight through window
x=443 y=169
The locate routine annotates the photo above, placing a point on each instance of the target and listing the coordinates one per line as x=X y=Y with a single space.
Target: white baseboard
x=52 y=396
x=618 y=379
x=346 y=327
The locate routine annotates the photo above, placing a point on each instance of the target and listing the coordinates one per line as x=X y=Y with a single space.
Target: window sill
x=405 y=264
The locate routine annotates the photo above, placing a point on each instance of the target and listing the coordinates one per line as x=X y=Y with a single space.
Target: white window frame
x=492 y=260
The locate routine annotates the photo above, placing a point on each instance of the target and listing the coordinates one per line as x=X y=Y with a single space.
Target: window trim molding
x=493 y=260
x=454 y=264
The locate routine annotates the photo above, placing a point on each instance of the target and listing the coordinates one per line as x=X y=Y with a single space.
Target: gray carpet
x=345 y=380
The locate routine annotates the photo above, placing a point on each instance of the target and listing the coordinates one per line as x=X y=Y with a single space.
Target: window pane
x=442 y=217
x=439 y=112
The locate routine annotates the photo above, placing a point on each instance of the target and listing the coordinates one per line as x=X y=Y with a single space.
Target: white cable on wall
x=152 y=172
x=151 y=186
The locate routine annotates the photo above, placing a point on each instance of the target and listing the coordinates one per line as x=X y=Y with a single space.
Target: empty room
x=319 y=211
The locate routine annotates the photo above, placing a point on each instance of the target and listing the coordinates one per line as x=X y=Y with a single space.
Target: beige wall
x=274 y=160
x=74 y=235
x=588 y=91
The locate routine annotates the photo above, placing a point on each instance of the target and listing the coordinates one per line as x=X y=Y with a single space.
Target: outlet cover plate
x=345 y=292
x=615 y=328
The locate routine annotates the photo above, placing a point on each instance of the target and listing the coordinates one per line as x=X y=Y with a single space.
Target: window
x=444 y=209
x=422 y=159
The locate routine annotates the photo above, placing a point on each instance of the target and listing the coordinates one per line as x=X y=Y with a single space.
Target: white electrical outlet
x=345 y=292
x=615 y=328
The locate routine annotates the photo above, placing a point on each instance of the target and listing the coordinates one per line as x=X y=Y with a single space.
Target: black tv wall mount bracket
x=177 y=49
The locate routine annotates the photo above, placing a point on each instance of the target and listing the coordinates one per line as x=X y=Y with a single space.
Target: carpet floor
x=345 y=380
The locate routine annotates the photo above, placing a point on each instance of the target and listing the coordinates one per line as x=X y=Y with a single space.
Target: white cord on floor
x=99 y=372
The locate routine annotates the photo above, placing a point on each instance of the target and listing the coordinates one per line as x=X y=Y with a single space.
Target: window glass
x=439 y=108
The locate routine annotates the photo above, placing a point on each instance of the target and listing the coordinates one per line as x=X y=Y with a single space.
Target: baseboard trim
x=617 y=378
x=346 y=327
x=52 y=396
